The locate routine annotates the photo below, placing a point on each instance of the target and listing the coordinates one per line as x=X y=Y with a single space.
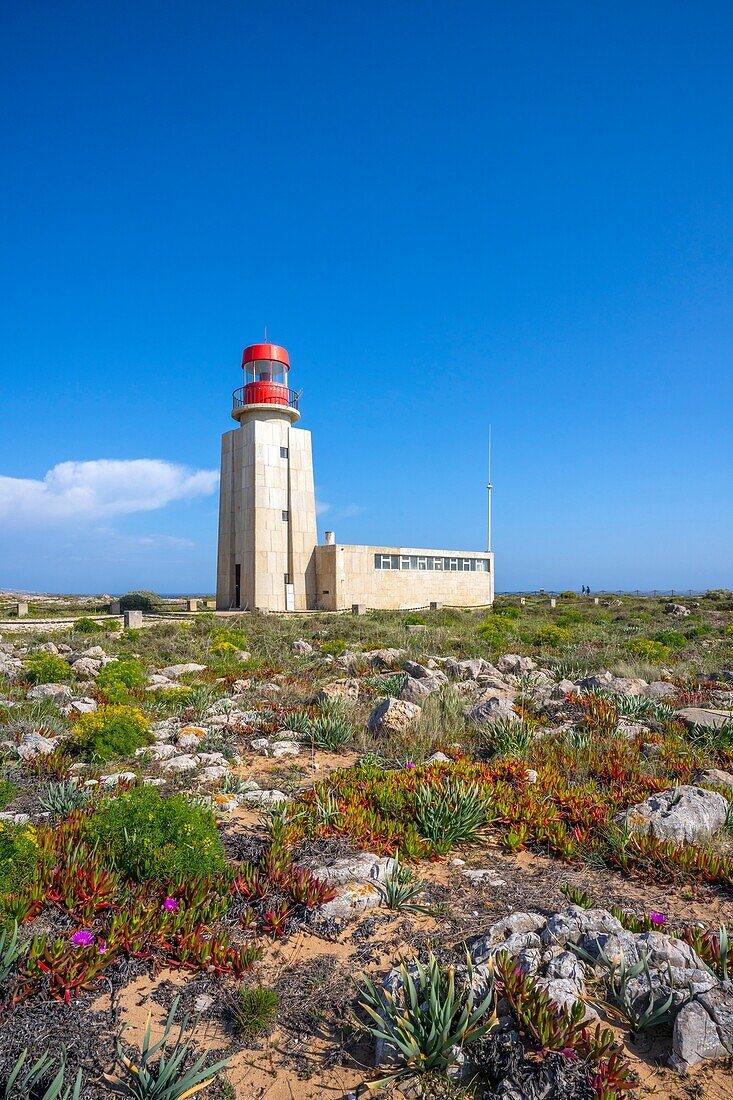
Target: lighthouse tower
x=267 y=507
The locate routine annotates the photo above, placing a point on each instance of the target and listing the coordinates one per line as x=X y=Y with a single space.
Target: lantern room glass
x=265 y=370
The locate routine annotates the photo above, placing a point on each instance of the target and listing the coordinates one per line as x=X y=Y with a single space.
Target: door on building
x=290 y=597
x=237 y=586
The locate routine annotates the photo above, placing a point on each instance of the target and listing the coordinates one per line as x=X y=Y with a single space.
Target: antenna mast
x=489 y=487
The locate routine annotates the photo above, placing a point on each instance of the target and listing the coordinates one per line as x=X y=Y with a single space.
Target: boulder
x=704 y=717
x=57 y=693
x=285 y=748
x=383 y=658
x=173 y=671
x=301 y=647
x=660 y=689
x=87 y=668
x=393 y=716
x=339 y=689
x=514 y=662
x=677 y=609
x=35 y=744
x=183 y=763
x=714 y=777
x=469 y=669
x=684 y=814
x=490 y=710
x=704 y=1028
x=417 y=690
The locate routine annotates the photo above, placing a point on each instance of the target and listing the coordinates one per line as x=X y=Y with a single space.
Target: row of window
x=438 y=565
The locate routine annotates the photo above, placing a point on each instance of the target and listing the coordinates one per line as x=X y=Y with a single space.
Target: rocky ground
x=254 y=820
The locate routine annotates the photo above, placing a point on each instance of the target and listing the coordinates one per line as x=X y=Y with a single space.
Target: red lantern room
x=266 y=368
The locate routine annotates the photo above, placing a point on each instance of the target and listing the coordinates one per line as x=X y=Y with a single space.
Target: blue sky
x=450 y=213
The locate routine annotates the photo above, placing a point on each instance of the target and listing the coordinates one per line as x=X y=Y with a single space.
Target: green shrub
x=654 y=652
x=18 y=860
x=117 y=678
x=254 y=1010
x=569 y=595
x=493 y=631
x=508 y=612
x=141 y=601
x=338 y=645
x=552 y=635
x=111 y=731
x=569 y=618
x=146 y=836
x=699 y=631
x=85 y=625
x=229 y=636
x=415 y=620
x=671 y=638
x=48 y=668
x=7 y=793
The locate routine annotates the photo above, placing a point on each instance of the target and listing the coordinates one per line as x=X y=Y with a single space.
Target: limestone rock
x=174 y=671
x=301 y=647
x=87 y=668
x=393 y=716
x=683 y=814
x=714 y=777
x=57 y=693
x=383 y=658
x=490 y=710
x=340 y=689
x=704 y=717
x=35 y=744
x=704 y=1028
x=660 y=689
x=183 y=763
x=677 y=609
x=514 y=662
x=285 y=748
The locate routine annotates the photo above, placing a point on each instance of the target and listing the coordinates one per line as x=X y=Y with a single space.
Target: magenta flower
x=410 y=764
x=82 y=938
x=657 y=918
x=102 y=946
x=170 y=905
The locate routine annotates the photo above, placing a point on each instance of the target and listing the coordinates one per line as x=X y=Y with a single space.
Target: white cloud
x=104 y=487
x=322 y=508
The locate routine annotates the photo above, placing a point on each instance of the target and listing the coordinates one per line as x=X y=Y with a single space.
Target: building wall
x=347 y=575
x=259 y=484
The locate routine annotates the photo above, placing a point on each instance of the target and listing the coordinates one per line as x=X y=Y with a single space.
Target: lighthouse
x=267 y=507
x=269 y=557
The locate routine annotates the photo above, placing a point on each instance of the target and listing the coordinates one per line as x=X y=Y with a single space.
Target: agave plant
x=428 y=1016
x=400 y=888
x=64 y=797
x=10 y=951
x=452 y=813
x=158 y=1072
x=29 y=1084
x=650 y=1011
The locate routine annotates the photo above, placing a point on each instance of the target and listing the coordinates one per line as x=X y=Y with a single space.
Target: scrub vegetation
x=218 y=835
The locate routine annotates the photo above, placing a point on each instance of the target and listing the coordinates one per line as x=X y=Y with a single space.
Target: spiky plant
x=32 y=1083
x=452 y=813
x=642 y=1013
x=400 y=887
x=157 y=1071
x=10 y=951
x=64 y=797
x=254 y=1010
x=428 y=1016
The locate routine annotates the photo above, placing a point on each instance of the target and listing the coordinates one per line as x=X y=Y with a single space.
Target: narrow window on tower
x=285 y=516
x=283 y=452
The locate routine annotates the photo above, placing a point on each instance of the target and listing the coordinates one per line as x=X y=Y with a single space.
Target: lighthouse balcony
x=261 y=396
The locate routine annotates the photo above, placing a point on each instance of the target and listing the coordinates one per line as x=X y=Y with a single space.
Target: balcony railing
x=264 y=393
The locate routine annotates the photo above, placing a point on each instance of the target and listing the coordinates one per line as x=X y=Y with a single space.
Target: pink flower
x=410 y=764
x=657 y=918
x=170 y=905
x=101 y=946
x=82 y=938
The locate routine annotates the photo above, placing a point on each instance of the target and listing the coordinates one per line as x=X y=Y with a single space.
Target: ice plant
x=170 y=905
x=82 y=938
x=657 y=918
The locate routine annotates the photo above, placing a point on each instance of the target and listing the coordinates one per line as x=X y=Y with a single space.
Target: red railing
x=264 y=393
